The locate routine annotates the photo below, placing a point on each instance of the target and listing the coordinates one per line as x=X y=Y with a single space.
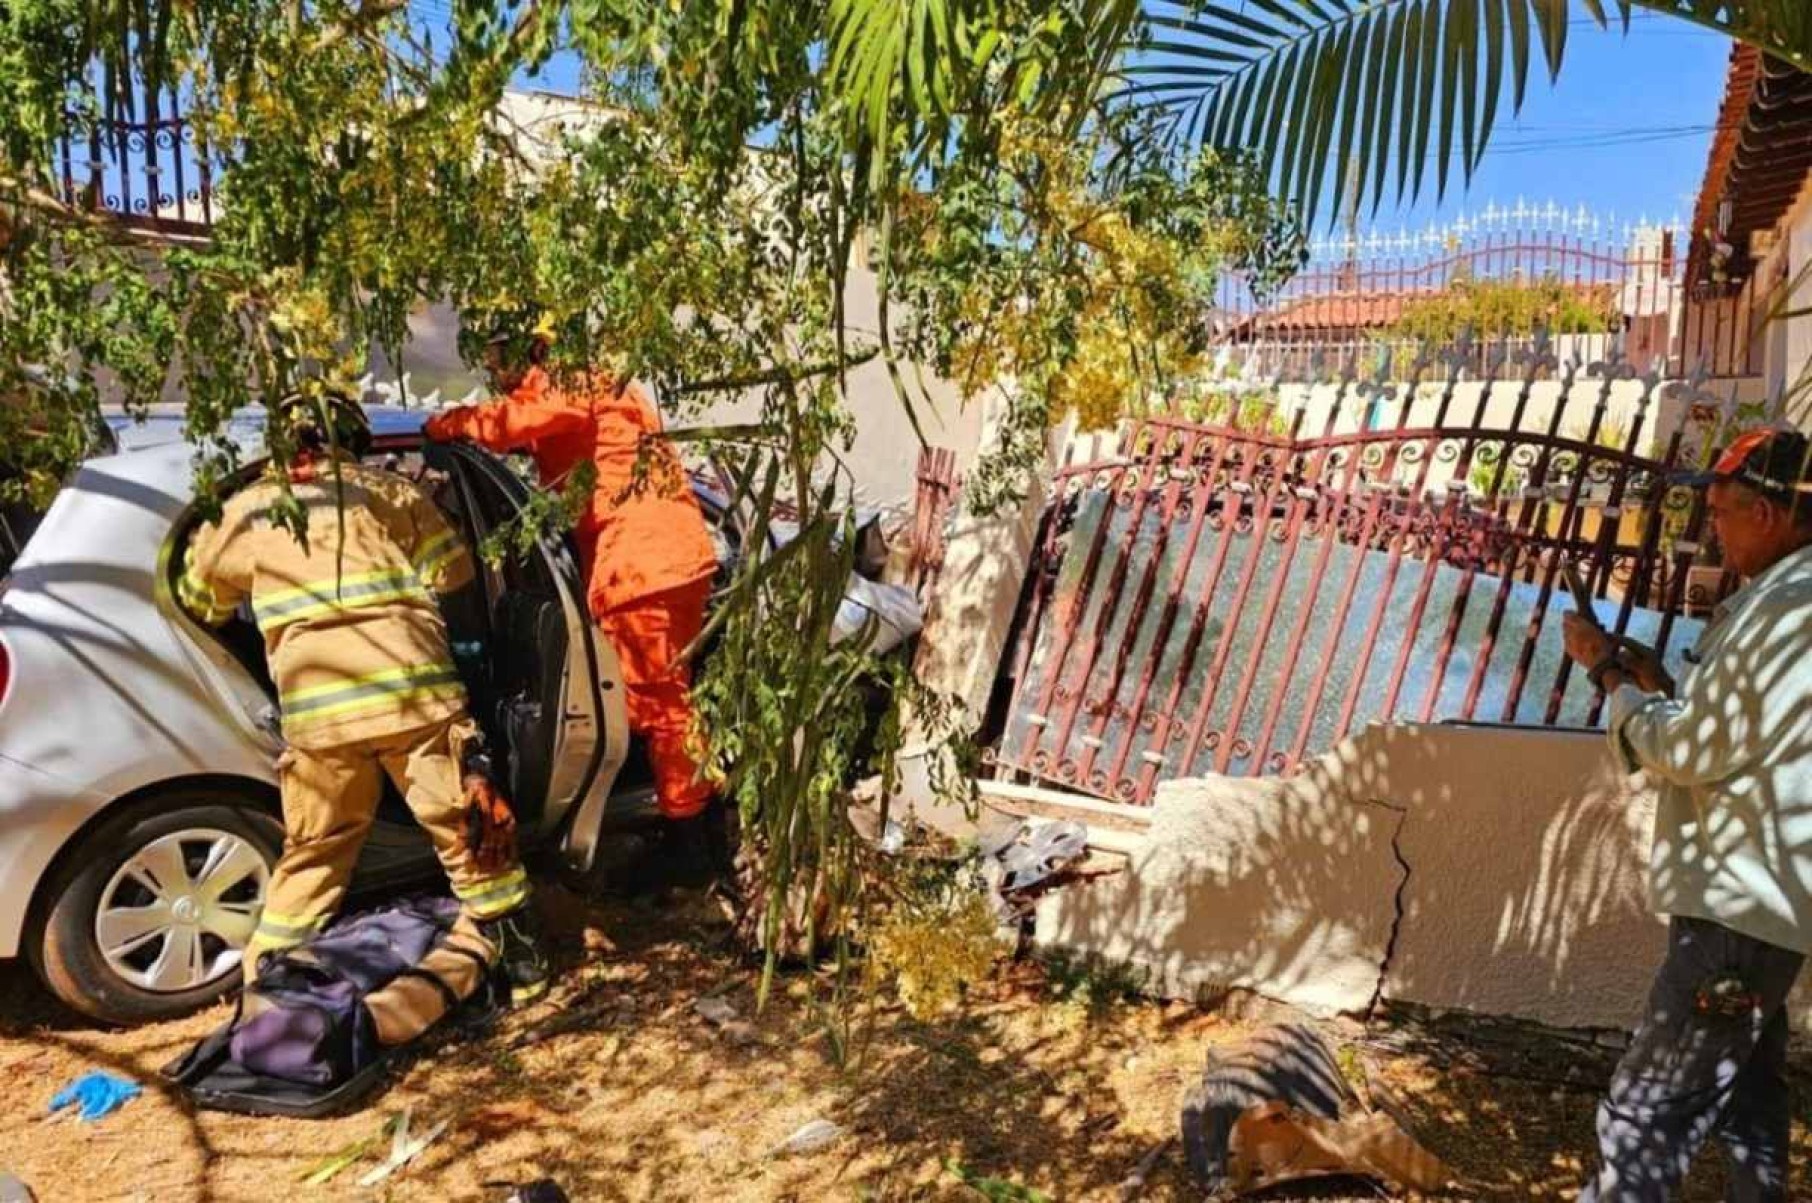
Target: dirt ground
x=1051 y=1085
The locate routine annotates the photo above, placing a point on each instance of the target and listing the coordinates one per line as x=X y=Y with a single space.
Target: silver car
x=139 y=814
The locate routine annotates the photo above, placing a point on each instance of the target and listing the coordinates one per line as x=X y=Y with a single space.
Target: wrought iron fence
x=1233 y=599
x=150 y=170
x=1611 y=289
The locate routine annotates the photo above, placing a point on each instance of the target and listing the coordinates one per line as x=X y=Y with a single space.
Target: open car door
x=547 y=692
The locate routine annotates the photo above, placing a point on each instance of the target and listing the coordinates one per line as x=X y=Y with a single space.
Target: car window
x=495 y=508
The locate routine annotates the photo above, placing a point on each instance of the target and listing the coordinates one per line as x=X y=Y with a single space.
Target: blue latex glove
x=97 y=1093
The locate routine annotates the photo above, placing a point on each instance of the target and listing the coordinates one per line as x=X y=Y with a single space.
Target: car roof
x=155 y=447
x=163 y=425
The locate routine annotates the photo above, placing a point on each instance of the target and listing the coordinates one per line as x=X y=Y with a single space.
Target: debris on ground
x=1025 y=1083
x=1133 y=1185
x=1033 y=858
x=995 y=1190
x=542 y=1190
x=715 y=1011
x=403 y=1147
x=95 y=1095
x=815 y=1135
x=328 y=1168
x=1277 y=1108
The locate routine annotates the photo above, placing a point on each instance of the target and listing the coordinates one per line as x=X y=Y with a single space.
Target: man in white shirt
x=1731 y=760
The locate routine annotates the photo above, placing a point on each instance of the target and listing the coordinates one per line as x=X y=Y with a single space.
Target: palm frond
x=906 y=71
x=1355 y=86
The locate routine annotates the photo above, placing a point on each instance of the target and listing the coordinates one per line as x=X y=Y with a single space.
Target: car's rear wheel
x=150 y=916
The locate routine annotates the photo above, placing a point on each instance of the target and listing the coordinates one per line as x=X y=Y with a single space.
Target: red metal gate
x=937 y=484
x=1220 y=598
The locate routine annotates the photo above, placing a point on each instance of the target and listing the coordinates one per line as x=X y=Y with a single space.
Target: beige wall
x=1493 y=406
x=1790 y=359
x=882 y=459
x=972 y=601
x=1515 y=859
x=883 y=456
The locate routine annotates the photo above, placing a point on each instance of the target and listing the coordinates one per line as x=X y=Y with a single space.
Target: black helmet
x=326 y=419
x=519 y=329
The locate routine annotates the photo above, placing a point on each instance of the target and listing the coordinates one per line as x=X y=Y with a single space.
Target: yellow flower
x=935 y=954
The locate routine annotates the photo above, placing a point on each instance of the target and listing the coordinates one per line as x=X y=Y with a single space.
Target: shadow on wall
x=1499 y=870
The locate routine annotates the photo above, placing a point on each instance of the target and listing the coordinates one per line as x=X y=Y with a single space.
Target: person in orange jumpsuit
x=644 y=548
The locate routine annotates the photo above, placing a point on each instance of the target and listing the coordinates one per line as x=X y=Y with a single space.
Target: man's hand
x=1645 y=666
x=490 y=825
x=1587 y=643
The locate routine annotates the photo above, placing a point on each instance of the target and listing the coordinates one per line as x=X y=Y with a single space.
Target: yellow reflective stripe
x=348 y=593
x=453 y=691
x=436 y=554
x=502 y=904
x=329 y=586
x=199 y=597
x=498 y=896
x=371 y=692
x=405 y=674
x=291 y=929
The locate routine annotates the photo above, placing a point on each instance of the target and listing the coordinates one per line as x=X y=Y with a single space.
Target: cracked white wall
x=1498 y=870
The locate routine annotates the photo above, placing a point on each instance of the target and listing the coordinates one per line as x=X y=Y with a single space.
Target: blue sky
x=1624 y=132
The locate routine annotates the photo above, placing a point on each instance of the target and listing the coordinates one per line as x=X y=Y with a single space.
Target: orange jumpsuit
x=645 y=551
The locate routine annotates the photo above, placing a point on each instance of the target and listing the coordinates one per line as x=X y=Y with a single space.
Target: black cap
x=1772 y=460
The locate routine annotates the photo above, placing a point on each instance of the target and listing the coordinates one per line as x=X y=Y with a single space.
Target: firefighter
x=643 y=545
x=366 y=682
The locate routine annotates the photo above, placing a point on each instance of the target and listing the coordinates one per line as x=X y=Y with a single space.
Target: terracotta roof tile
x=1761 y=153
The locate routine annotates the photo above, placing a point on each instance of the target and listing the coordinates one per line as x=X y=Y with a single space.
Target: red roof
x=1367 y=310
x=1338 y=311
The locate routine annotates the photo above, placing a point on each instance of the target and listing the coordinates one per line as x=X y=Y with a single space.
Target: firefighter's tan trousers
x=330 y=797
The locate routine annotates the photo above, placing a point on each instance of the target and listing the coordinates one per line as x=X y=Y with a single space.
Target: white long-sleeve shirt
x=1731 y=760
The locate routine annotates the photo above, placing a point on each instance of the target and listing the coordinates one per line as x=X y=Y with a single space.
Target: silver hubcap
x=179 y=912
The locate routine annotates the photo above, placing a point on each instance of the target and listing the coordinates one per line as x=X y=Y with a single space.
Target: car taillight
x=6 y=671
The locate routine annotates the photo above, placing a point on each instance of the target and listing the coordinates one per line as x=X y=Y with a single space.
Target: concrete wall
x=1492 y=407
x=969 y=612
x=1795 y=334
x=1781 y=346
x=1497 y=870
x=883 y=458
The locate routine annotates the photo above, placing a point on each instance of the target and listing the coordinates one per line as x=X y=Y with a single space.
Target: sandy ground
x=618 y=1088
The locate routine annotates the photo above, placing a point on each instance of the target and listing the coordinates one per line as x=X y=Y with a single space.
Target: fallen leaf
x=815 y=1135
x=597 y=941
x=715 y=1011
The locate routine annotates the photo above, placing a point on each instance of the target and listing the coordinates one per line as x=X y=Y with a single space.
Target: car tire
x=220 y=841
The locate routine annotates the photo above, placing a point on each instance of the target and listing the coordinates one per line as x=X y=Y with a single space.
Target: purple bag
x=303 y=1041
x=308 y=1035
x=305 y=1016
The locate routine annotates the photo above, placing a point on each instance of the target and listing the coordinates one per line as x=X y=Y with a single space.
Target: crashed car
x=139 y=808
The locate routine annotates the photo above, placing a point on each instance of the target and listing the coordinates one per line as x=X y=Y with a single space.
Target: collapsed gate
x=1228 y=599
